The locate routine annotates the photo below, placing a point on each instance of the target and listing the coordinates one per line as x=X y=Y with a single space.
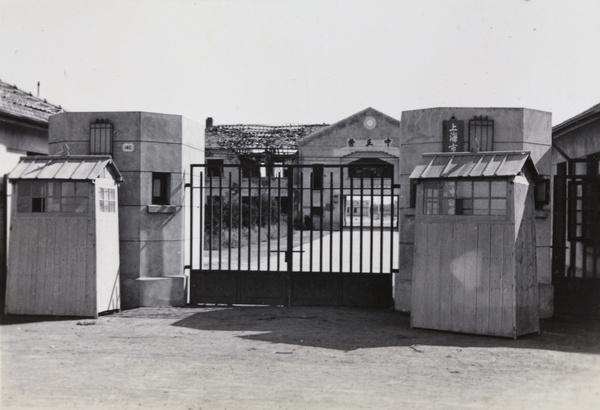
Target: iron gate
x=315 y=235
x=576 y=238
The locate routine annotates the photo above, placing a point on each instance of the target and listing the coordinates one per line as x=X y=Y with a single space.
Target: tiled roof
x=252 y=137
x=472 y=165
x=76 y=167
x=22 y=104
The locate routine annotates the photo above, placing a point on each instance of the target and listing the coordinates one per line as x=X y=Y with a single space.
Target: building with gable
x=23 y=131
x=576 y=216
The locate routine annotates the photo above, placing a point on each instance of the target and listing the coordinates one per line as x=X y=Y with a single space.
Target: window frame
x=101 y=137
x=47 y=197
x=162 y=194
x=107 y=203
x=438 y=199
x=481 y=134
x=214 y=168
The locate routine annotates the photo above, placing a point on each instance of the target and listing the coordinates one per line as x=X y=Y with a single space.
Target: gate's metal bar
x=322 y=211
x=342 y=217
x=230 y=222
x=259 y=239
x=311 y=225
x=362 y=216
x=392 y=207
x=210 y=200
x=191 y=249
x=290 y=236
x=240 y=218
x=220 y=244
x=250 y=221
x=202 y=218
x=372 y=205
x=269 y=222
x=301 y=216
x=330 y=222
x=571 y=221
x=381 y=217
x=279 y=221
x=351 y=220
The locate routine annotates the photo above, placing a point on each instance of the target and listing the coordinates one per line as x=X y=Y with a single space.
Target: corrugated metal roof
x=472 y=165
x=80 y=167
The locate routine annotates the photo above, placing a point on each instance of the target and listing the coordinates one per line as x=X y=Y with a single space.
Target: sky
x=281 y=62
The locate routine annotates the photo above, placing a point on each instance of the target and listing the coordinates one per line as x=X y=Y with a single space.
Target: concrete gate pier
x=153 y=152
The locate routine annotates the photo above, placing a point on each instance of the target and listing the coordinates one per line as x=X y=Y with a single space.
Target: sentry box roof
x=76 y=167
x=473 y=165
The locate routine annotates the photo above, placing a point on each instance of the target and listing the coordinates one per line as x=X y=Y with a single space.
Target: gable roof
x=76 y=167
x=347 y=121
x=472 y=165
x=577 y=121
x=257 y=137
x=23 y=105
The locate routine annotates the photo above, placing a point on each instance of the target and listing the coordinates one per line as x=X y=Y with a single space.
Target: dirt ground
x=290 y=358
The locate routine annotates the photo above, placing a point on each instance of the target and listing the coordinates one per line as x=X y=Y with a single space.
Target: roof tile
x=22 y=104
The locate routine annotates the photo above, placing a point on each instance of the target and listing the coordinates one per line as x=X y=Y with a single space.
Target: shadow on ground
x=350 y=329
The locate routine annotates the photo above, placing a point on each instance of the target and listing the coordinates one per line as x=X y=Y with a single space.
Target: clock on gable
x=369 y=123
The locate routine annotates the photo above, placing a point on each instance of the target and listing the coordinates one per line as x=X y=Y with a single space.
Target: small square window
x=161 y=188
x=215 y=167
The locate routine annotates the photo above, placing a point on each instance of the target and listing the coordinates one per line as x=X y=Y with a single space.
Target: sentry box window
x=486 y=198
x=53 y=196
x=107 y=200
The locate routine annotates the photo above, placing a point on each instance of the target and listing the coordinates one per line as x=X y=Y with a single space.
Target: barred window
x=481 y=134
x=101 y=137
x=52 y=196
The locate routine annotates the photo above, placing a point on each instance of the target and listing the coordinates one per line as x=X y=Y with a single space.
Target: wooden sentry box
x=475 y=265
x=64 y=237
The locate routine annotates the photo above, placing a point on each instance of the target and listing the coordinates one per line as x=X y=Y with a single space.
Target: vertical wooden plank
x=88 y=266
x=508 y=283
x=437 y=239
x=92 y=272
x=483 y=278
x=471 y=256
x=431 y=273
x=418 y=273
x=43 y=297
x=68 y=284
x=51 y=249
x=29 y=293
x=14 y=278
x=458 y=278
x=495 y=279
x=61 y=295
x=446 y=275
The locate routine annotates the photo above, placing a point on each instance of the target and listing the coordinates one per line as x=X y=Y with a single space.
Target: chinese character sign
x=453 y=137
